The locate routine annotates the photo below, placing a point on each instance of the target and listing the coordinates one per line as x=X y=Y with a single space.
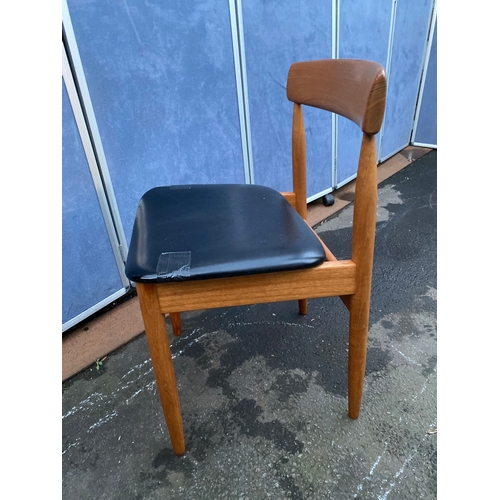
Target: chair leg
x=303 y=307
x=363 y=242
x=161 y=357
x=358 y=340
x=175 y=319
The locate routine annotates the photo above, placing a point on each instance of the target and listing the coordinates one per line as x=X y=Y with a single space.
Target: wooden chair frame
x=351 y=88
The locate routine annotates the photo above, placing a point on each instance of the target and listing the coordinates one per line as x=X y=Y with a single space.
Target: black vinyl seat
x=218 y=230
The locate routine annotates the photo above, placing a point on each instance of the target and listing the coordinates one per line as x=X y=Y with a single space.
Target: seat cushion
x=219 y=230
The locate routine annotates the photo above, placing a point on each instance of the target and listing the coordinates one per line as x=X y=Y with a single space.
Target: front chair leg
x=161 y=357
x=358 y=340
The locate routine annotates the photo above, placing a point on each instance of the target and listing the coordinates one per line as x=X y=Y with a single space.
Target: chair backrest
x=355 y=89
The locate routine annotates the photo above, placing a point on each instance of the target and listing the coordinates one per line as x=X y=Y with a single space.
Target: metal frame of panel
x=335 y=55
x=388 y=74
x=267 y=57
x=364 y=32
x=106 y=186
x=241 y=86
x=161 y=76
x=100 y=171
x=424 y=77
x=335 y=119
x=99 y=187
x=394 y=21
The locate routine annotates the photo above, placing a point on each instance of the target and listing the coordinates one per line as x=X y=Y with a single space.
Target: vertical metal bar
x=387 y=72
x=241 y=87
x=335 y=55
x=91 y=160
x=89 y=154
x=427 y=54
x=93 y=130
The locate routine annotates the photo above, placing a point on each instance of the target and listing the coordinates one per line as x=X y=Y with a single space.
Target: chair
x=208 y=246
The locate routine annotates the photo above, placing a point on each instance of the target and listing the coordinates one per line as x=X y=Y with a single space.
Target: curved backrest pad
x=218 y=230
x=353 y=88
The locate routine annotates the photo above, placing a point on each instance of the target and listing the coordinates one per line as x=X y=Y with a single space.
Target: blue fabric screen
x=277 y=35
x=426 y=131
x=162 y=83
x=89 y=271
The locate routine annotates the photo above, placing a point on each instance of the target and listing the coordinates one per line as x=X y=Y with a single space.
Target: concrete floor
x=263 y=390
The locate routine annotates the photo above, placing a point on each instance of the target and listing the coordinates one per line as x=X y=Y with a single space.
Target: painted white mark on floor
x=136 y=367
x=76 y=443
x=103 y=420
x=84 y=403
x=195 y=341
x=398 y=473
x=407 y=357
x=374 y=466
x=133 y=396
x=376 y=463
x=270 y=323
x=431 y=292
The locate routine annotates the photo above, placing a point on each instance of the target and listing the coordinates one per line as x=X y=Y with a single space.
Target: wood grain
x=175 y=319
x=290 y=197
x=352 y=88
x=161 y=358
x=363 y=241
x=299 y=161
x=328 y=279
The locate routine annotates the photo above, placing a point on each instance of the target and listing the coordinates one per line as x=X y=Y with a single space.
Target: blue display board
x=364 y=33
x=426 y=130
x=161 y=79
x=277 y=34
x=410 y=35
x=89 y=270
x=163 y=90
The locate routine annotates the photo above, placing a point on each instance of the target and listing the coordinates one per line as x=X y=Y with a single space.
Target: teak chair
x=209 y=246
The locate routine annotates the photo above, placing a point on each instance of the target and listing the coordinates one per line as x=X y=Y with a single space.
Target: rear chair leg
x=161 y=357
x=303 y=307
x=175 y=319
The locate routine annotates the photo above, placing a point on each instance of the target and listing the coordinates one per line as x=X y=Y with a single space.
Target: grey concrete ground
x=263 y=390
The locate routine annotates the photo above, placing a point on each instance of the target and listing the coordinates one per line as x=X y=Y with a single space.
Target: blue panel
x=426 y=132
x=278 y=34
x=410 y=36
x=364 y=30
x=89 y=271
x=161 y=78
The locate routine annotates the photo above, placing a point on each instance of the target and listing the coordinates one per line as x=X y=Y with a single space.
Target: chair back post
x=372 y=86
x=363 y=244
x=299 y=160
x=365 y=212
